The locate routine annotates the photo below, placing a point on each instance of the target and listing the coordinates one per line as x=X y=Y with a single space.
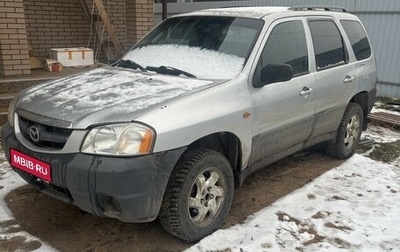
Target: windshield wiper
x=130 y=64
x=170 y=70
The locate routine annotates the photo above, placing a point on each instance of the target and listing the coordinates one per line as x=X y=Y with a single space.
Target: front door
x=283 y=112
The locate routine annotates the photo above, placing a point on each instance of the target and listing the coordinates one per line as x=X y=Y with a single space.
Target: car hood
x=103 y=95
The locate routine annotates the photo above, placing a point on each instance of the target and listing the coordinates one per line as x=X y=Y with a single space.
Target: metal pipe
x=164 y=9
x=388 y=83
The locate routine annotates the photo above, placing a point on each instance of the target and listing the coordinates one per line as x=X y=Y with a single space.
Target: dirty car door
x=336 y=76
x=283 y=112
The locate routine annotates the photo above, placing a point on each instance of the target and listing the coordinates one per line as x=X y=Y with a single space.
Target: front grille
x=42 y=135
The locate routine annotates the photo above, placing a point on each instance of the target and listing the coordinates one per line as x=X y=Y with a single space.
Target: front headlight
x=11 y=111
x=119 y=139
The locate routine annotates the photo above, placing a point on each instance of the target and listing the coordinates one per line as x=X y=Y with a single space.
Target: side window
x=328 y=44
x=286 y=45
x=358 y=39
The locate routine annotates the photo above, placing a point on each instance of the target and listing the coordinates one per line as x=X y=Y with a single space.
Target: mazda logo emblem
x=34 y=133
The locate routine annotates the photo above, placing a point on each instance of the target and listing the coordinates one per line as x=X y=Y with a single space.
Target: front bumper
x=129 y=189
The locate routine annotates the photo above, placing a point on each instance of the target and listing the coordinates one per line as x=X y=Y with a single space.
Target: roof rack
x=318 y=8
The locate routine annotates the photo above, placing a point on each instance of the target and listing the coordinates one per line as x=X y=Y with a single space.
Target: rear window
x=358 y=39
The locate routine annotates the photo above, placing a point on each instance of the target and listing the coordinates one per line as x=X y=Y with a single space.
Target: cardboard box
x=80 y=56
x=34 y=63
x=53 y=65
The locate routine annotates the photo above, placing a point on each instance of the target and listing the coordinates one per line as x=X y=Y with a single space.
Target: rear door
x=362 y=53
x=336 y=75
x=282 y=111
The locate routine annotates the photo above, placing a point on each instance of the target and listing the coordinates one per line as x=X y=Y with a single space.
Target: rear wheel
x=198 y=196
x=348 y=134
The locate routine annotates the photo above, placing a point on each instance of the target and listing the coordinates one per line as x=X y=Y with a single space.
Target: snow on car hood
x=103 y=95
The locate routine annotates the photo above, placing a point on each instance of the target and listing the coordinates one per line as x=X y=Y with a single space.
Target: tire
x=198 y=196
x=348 y=133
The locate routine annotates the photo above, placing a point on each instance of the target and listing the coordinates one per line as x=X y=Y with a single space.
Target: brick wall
x=140 y=19
x=132 y=19
x=63 y=23
x=55 y=24
x=116 y=12
x=45 y=24
x=14 y=57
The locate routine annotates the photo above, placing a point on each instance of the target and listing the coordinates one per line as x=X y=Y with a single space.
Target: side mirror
x=276 y=73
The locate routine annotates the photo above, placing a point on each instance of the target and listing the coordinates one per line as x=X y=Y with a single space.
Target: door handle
x=306 y=91
x=348 y=79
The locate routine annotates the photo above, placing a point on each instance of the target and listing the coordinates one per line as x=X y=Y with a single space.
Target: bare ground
x=67 y=228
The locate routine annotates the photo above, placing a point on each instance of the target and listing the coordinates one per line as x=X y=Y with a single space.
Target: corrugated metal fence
x=381 y=19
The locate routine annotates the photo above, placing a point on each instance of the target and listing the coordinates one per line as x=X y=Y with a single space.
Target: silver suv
x=201 y=102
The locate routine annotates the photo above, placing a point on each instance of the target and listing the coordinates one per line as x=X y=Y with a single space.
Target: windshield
x=206 y=47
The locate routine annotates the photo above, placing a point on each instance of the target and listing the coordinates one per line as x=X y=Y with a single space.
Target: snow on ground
x=377 y=110
x=380 y=134
x=353 y=207
x=9 y=228
x=9 y=181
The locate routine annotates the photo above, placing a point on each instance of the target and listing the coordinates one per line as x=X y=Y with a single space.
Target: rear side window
x=358 y=39
x=328 y=44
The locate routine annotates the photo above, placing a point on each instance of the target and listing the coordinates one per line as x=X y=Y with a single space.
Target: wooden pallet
x=385 y=118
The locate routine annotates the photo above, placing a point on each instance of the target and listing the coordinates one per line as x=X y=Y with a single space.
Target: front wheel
x=198 y=196
x=348 y=133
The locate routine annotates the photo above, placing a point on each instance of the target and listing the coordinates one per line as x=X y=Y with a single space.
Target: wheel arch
x=362 y=100
x=226 y=143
